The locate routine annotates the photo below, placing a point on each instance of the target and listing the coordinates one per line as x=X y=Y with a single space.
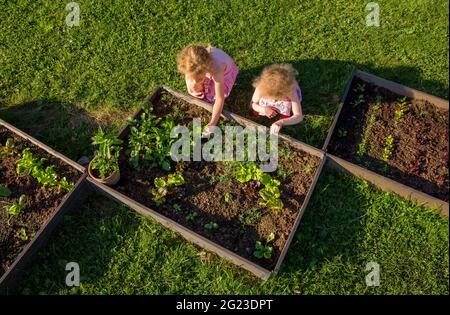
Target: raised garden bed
x=35 y=194
x=396 y=132
x=211 y=207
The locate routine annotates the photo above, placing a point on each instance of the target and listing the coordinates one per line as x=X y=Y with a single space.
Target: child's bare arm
x=297 y=114
x=255 y=102
x=220 y=97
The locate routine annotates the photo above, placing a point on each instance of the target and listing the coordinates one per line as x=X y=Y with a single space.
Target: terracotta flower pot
x=111 y=180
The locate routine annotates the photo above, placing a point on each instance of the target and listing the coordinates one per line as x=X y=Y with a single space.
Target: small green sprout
x=264 y=251
x=191 y=216
x=228 y=197
x=342 y=133
x=211 y=226
x=23 y=234
x=17 y=207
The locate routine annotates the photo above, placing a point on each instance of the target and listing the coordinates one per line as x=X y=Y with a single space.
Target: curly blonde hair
x=195 y=59
x=277 y=80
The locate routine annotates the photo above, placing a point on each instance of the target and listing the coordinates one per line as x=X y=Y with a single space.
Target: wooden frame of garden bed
x=12 y=276
x=381 y=181
x=190 y=235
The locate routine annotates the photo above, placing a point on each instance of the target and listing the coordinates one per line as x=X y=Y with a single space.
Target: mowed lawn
x=60 y=84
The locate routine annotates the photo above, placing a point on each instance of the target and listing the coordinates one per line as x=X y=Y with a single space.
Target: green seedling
x=308 y=169
x=264 y=251
x=284 y=174
x=191 y=216
x=228 y=197
x=358 y=101
x=360 y=88
x=402 y=104
x=177 y=207
x=211 y=226
x=17 y=207
x=388 y=149
x=23 y=234
x=8 y=149
x=342 y=133
x=363 y=145
x=106 y=160
x=46 y=176
x=5 y=191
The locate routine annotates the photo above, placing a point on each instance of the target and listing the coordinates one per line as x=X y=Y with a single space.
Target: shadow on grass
x=65 y=127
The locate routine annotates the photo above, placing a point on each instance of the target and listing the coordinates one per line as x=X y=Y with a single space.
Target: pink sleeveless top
x=282 y=107
x=230 y=73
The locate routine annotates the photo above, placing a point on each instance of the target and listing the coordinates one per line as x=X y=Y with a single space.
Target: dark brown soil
x=40 y=202
x=204 y=193
x=420 y=152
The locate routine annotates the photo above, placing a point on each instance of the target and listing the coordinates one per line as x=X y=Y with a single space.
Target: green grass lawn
x=61 y=83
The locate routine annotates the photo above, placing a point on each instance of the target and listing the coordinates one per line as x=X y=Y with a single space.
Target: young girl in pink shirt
x=277 y=94
x=210 y=75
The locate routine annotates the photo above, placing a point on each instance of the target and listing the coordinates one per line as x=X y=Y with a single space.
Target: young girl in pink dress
x=210 y=75
x=277 y=94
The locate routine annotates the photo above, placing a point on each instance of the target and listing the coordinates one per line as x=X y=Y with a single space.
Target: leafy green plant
x=388 y=148
x=163 y=186
x=8 y=149
x=46 y=176
x=17 y=207
x=150 y=141
x=264 y=251
x=402 y=104
x=271 y=198
x=5 y=191
x=228 y=197
x=191 y=216
x=246 y=172
x=177 y=207
x=106 y=161
x=211 y=226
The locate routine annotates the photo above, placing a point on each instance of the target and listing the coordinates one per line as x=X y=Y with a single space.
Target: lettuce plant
x=106 y=161
x=164 y=186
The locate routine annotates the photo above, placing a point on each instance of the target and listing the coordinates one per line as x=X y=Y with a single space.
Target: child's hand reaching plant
x=276 y=127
